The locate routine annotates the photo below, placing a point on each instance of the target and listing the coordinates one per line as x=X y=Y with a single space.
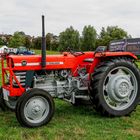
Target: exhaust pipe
x=43 y=46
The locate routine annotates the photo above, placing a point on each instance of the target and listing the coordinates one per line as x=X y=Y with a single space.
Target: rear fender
x=115 y=54
x=105 y=55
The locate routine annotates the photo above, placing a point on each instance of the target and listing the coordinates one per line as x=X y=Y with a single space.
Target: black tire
x=24 y=102
x=99 y=86
x=11 y=53
x=2 y=104
x=11 y=104
x=6 y=105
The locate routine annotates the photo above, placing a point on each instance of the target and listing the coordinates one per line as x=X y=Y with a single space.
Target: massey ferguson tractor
x=29 y=83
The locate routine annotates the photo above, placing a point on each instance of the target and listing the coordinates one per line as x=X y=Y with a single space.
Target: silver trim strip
x=37 y=64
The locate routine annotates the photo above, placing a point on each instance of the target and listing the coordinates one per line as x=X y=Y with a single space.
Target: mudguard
x=98 y=57
x=115 y=54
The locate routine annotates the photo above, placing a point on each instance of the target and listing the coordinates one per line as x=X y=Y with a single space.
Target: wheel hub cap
x=119 y=87
x=36 y=109
x=123 y=89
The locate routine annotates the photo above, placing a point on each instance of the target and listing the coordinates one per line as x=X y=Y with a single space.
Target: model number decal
x=54 y=63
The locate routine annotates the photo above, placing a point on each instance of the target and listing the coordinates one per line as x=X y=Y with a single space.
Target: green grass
x=73 y=123
x=47 y=52
x=138 y=63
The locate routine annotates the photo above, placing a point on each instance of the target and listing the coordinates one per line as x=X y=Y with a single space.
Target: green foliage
x=70 y=38
x=48 y=41
x=36 y=43
x=27 y=42
x=54 y=45
x=51 y=42
x=18 y=39
x=109 y=34
x=2 y=41
x=88 y=38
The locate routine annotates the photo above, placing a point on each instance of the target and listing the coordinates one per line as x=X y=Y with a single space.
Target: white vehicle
x=6 y=50
x=3 y=49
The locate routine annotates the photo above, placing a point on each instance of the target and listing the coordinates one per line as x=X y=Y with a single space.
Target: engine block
x=61 y=84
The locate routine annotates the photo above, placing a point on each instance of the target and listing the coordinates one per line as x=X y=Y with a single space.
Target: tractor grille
x=21 y=76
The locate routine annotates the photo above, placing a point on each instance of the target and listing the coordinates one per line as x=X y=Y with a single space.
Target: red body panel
x=54 y=62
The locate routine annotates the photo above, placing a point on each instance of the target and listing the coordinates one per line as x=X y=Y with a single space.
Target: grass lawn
x=73 y=123
x=47 y=52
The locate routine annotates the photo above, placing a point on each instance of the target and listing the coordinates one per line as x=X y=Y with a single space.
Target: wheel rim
x=120 y=88
x=36 y=109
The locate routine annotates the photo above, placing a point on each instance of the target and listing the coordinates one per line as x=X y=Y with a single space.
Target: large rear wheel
x=35 y=108
x=115 y=87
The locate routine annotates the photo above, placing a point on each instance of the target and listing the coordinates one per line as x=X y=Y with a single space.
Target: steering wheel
x=75 y=53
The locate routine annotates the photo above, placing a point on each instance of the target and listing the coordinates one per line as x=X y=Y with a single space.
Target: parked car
x=24 y=51
x=16 y=51
x=19 y=51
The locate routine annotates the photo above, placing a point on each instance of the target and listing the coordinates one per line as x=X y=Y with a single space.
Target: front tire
x=35 y=108
x=115 y=87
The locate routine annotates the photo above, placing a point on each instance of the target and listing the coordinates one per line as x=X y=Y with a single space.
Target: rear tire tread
x=95 y=83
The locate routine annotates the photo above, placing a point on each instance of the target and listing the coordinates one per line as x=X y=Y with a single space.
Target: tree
x=52 y=42
x=18 y=39
x=28 y=42
x=88 y=38
x=49 y=37
x=36 y=43
x=109 y=34
x=54 y=45
x=2 y=41
x=70 y=38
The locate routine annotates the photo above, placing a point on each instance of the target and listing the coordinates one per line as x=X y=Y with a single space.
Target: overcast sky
x=25 y=15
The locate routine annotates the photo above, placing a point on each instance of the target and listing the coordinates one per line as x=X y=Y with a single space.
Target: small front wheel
x=35 y=108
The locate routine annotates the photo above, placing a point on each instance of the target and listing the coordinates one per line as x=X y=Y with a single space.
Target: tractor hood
x=62 y=61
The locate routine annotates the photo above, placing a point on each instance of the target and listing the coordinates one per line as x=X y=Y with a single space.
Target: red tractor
x=110 y=79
